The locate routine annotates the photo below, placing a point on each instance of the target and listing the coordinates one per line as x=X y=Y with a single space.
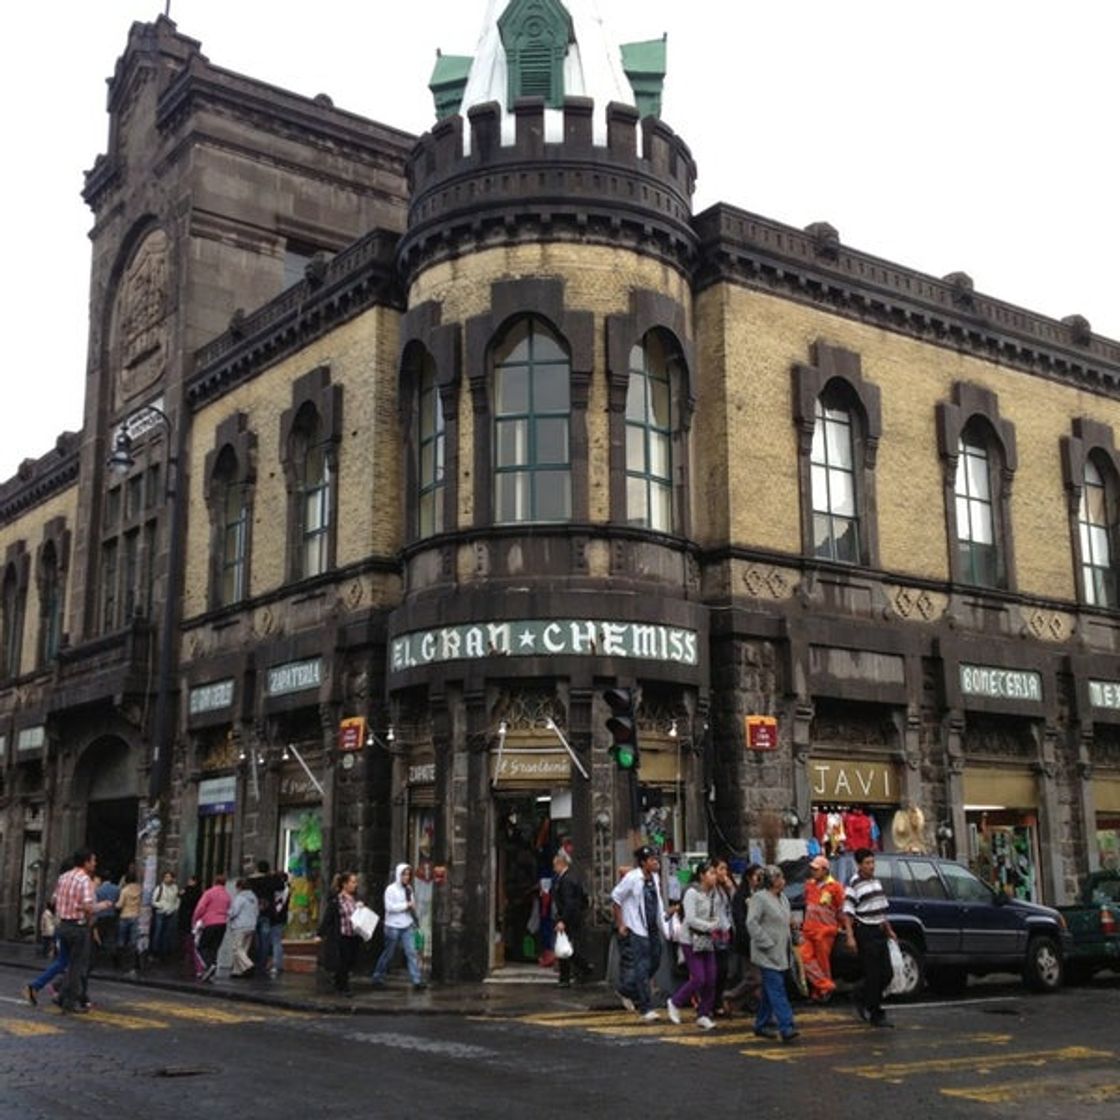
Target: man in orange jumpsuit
x=824 y=899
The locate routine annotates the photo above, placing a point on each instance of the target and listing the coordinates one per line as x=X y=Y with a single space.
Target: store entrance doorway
x=111 y=827
x=531 y=825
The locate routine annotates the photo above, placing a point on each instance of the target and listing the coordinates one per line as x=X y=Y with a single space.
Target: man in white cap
x=824 y=901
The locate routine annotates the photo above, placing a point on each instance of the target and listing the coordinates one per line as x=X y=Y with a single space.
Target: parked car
x=1094 y=926
x=952 y=925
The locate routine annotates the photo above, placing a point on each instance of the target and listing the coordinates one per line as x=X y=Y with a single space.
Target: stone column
x=1085 y=801
x=953 y=733
x=1050 y=820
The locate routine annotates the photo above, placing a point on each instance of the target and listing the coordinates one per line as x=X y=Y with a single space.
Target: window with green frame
x=50 y=604
x=314 y=479
x=651 y=389
x=836 y=533
x=532 y=416
x=431 y=450
x=1096 y=524
x=976 y=524
x=233 y=516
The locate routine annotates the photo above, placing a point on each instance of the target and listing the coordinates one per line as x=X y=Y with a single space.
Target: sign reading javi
x=544 y=638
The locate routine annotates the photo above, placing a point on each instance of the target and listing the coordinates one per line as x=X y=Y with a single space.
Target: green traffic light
x=624 y=756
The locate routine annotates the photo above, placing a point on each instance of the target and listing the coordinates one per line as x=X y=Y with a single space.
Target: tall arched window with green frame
x=532 y=422
x=652 y=387
x=431 y=450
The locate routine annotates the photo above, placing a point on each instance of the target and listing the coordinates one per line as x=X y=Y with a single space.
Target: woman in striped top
x=866 y=931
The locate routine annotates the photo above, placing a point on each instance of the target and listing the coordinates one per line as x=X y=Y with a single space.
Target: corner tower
x=545 y=377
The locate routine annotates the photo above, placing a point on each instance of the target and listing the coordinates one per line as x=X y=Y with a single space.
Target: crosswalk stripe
x=898 y=1071
x=123 y=1022
x=1011 y=1091
x=215 y=1015
x=27 y=1028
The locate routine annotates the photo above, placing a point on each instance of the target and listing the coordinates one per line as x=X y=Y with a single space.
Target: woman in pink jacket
x=209 y=924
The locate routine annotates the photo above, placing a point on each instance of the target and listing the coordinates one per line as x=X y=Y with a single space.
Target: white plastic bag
x=364 y=920
x=898 y=969
x=563 y=946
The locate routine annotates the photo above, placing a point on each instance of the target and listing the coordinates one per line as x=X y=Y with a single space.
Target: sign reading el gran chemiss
x=545 y=638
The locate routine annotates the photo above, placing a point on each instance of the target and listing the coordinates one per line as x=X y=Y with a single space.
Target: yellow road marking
x=1011 y=1091
x=797 y=1052
x=898 y=1071
x=124 y=1022
x=26 y=1028
x=198 y=1014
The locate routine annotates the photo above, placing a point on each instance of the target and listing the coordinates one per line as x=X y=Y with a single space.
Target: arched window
x=1096 y=524
x=977 y=544
x=652 y=388
x=431 y=450
x=836 y=514
x=50 y=604
x=313 y=474
x=231 y=508
x=11 y=600
x=532 y=412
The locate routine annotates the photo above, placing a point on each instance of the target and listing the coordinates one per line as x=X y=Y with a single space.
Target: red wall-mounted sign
x=352 y=734
x=762 y=733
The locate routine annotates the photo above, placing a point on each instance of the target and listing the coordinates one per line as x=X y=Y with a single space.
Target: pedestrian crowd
x=744 y=930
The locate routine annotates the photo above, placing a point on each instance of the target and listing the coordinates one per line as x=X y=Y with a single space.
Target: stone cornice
x=812 y=267
x=360 y=277
x=40 y=479
x=201 y=84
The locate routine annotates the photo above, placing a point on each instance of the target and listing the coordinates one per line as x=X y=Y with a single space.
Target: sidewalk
x=523 y=991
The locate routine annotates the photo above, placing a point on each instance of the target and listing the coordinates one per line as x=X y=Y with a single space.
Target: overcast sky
x=945 y=135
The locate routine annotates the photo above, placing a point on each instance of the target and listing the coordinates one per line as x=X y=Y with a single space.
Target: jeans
x=270 y=943
x=701 y=979
x=638 y=961
x=56 y=968
x=774 y=1003
x=406 y=939
x=75 y=940
x=166 y=926
x=126 y=932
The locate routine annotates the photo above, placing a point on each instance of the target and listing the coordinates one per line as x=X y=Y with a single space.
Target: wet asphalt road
x=145 y=1053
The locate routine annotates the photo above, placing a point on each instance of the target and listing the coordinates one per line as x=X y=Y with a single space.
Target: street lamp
x=121 y=461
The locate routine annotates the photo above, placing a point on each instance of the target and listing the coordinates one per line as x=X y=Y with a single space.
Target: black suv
x=951 y=925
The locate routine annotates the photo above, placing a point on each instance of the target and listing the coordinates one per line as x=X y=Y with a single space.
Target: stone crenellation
x=463 y=195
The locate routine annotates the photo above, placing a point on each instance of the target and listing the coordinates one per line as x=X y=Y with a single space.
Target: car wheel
x=948 y=981
x=1043 y=971
x=913 y=970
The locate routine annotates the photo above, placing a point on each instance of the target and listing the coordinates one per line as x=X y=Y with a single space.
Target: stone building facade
x=522 y=428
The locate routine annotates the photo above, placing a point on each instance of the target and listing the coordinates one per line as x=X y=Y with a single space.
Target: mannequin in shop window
x=843 y=828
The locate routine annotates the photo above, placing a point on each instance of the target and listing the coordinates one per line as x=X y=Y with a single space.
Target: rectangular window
x=134 y=497
x=154 y=495
x=113 y=508
x=131 y=573
x=108 y=585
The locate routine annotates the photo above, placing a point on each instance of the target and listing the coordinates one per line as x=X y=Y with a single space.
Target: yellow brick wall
x=763 y=338
x=29 y=529
x=598 y=279
x=361 y=355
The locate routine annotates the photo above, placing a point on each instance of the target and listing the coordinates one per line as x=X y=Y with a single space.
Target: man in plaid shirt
x=75 y=906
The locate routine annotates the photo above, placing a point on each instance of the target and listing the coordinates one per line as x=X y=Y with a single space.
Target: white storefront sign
x=295 y=676
x=546 y=638
x=31 y=738
x=1105 y=694
x=1001 y=684
x=211 y=697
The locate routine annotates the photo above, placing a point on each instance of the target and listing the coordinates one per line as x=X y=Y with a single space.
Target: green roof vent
x=448 y=82
x=536 y=35
x=644 y=66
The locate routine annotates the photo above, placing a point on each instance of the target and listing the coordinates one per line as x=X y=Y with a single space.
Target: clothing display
x=844 y=828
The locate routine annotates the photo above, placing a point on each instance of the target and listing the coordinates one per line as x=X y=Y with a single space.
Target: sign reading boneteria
x=1001 y=684
x=544 y=638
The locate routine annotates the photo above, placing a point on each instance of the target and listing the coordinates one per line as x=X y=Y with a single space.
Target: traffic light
x=623 y=726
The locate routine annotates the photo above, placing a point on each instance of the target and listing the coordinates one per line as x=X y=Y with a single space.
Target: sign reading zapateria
x=1001 y=684
x=295 y=676
x=545 y=638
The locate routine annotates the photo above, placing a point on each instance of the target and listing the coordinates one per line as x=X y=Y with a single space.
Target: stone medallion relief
x=140 y=318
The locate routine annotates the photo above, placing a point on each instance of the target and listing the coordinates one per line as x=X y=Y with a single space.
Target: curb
x=483 y=1007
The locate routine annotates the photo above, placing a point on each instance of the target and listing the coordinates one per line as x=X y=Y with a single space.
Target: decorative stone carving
x=916 y=603
x=1047 y=626
x=764 y=582
x=140 y=338
x=354 y=595
x=263 y=622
